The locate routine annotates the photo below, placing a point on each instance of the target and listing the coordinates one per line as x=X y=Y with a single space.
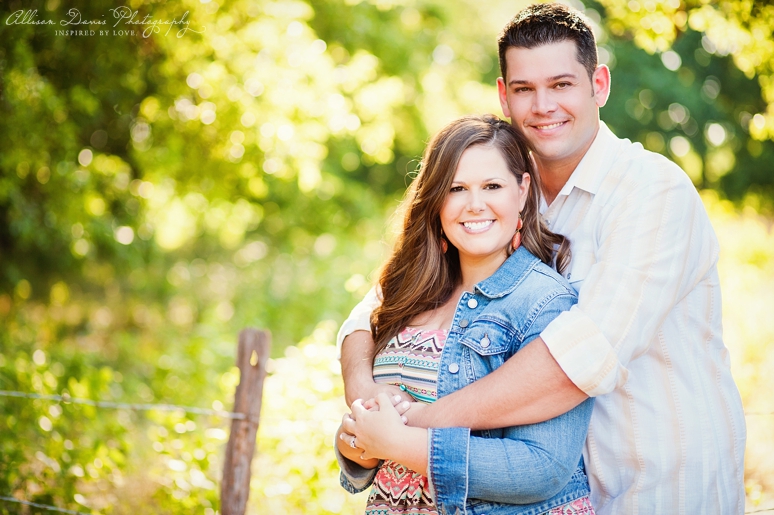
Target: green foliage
x=701 y=89
x=159 y=193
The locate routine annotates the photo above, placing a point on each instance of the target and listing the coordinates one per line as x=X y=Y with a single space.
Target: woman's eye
x=492 y=186
x=455 y=189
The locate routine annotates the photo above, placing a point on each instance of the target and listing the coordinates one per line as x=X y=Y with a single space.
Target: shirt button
x=569 y=276
x=454 y=368
x=472 y=303
x=464 y=323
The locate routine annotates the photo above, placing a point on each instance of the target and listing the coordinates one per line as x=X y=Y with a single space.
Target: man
x=667 y=433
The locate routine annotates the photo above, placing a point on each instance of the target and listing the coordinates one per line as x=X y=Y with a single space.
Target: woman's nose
x=476 y=203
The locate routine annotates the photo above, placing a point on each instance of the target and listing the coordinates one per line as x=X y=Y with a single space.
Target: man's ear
x=600 y=83
x=502 y=92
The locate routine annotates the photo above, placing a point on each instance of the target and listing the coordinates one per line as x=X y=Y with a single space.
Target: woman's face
x=480 y=213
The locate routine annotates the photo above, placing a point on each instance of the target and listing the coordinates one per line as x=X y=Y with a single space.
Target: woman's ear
x=524 y=190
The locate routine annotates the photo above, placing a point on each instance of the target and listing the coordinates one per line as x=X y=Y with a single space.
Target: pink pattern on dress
x=580 y=506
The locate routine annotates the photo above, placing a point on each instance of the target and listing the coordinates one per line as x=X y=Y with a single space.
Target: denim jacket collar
x=509 y=275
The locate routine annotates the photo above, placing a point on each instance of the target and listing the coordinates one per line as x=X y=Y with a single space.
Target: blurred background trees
x=159 y=193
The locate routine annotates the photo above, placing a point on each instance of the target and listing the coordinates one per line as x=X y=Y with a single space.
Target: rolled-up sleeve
x=354 y=478
x=651 y=247
x=360 y=317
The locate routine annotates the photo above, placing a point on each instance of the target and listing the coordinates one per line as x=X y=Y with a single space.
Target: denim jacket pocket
x=487 y=338
x=486 y=345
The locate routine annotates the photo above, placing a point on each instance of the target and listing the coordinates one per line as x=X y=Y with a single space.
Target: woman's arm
x=526 y=465
x=529 y=464
x=522 y=464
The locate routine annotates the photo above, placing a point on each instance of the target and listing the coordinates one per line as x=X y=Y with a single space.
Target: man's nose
x=543 y=102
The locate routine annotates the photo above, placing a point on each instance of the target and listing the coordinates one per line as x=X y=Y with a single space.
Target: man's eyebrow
x=519 y=82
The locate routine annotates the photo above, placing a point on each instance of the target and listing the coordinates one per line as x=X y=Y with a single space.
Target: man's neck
x=553 y=178
x=554 y=174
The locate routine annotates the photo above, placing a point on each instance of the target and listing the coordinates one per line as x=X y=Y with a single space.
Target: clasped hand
x=374 y=427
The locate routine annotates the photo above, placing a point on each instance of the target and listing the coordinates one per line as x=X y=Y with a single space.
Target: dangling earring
x=444 y=244
x=516 y=241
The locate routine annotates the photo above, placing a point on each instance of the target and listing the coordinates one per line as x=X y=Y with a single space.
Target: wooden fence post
x=252 y=354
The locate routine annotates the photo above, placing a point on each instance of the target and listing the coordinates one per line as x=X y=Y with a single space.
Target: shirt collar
x=590 y=172
x=509 y=275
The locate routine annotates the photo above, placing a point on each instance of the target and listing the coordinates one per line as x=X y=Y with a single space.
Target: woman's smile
x=476 y=226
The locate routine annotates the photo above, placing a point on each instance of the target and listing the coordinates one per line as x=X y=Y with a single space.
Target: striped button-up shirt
x=667 y=433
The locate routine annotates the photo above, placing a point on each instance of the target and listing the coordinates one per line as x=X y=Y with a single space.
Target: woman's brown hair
x=418 y=276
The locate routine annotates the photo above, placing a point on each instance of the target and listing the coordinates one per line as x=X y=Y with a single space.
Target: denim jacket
x=515 y=470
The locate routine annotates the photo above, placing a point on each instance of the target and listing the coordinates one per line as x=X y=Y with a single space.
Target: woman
x=468 y=283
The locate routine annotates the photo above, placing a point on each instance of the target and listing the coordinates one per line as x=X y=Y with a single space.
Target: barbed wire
x=66 y=398
x=44 y=506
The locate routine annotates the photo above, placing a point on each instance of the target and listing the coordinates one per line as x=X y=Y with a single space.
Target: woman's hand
x=382 y=434
x=347 y=446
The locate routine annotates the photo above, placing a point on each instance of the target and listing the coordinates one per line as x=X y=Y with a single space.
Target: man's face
x=549 y=97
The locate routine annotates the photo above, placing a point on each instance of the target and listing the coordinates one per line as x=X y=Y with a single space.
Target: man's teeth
x=477 y=225
x=552 y=126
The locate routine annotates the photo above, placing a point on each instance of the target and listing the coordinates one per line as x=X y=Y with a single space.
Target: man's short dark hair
x=541 y=24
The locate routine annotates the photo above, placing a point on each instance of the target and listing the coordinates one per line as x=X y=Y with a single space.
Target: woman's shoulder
x=539 y=285
x=538 y=292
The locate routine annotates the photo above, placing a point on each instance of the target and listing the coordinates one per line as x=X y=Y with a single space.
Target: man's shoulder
x=633 y=155
x=634 y=168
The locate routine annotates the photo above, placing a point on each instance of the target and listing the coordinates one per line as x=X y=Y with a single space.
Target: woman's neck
x=476 y=270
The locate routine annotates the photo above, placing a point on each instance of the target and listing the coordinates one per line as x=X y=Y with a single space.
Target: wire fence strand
x=123 y=405
x=66 y=398
x=174 y=407
x=44 y=506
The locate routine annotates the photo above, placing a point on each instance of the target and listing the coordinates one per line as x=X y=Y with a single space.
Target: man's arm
x=357 y=357
x=654 y=244
x=357 y=354
x=542 y=391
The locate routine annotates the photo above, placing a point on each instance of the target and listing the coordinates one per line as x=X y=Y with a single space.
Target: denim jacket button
x=454 y=368
x=485 y=341
x=472 y=303
x=464 y=323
